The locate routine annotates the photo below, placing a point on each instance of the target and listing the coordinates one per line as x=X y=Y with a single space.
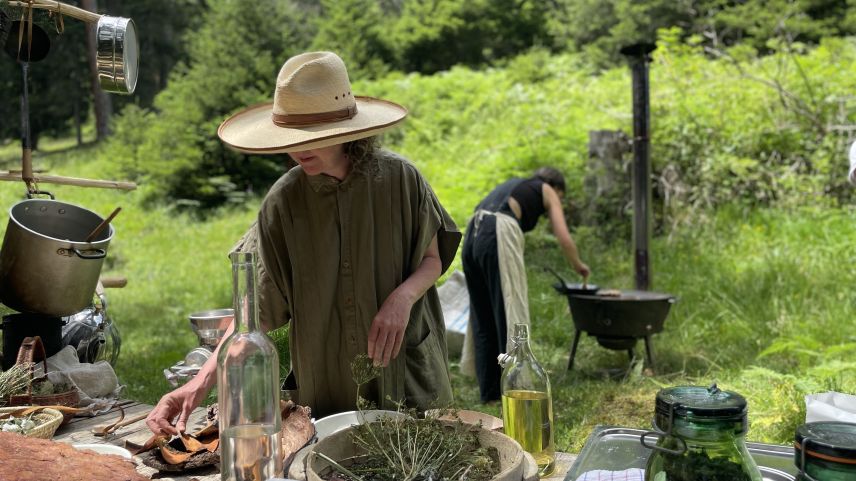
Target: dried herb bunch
x=411 y=449
x=14 y=381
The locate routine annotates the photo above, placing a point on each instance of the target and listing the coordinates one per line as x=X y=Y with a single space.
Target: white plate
x=337 y=422
x=105 y=449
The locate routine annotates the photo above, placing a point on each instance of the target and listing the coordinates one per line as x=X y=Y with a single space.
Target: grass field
x=765 y=304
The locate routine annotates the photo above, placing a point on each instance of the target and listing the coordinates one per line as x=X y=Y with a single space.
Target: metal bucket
x=45 y=265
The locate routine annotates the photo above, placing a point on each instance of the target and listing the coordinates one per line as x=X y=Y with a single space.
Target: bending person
x=493 y=263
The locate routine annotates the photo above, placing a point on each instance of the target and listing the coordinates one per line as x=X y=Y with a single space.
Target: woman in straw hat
x=351 y=242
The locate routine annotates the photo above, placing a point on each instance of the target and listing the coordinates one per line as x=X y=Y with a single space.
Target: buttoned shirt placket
x=346 y=274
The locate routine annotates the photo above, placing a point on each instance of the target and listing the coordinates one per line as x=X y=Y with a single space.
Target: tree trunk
x=100 y=99
x=606 y=186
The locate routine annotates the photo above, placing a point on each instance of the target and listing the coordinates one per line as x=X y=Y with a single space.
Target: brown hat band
x=302 y=120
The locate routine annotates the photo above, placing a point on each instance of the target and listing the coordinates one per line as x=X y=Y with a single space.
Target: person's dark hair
x=552 y=177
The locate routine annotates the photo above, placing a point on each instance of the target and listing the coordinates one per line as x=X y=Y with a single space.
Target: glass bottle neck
x=244 y=296
x=520 y=342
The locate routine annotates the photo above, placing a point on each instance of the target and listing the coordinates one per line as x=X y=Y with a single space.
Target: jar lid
x=699 y=403
x=829 y=440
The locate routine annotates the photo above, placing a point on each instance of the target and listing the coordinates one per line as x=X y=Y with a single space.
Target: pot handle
x=33 y=193
x=98 y=253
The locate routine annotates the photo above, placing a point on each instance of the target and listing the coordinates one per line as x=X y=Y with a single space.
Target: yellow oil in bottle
x=528 y=419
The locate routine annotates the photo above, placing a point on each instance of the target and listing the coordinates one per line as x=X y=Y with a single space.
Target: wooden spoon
x=104 y=223
x=111 y=428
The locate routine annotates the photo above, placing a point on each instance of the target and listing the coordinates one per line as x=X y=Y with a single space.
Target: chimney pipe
x=638 y=56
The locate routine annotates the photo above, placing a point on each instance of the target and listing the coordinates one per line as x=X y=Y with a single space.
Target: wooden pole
x=56 y=179
x=60 y=7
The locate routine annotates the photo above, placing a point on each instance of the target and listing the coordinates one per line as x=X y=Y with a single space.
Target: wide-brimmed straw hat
x=312 y=107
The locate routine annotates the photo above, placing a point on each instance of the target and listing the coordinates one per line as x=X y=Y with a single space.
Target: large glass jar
x=248 y=388
x=826 y=451
x=701 y=435
x=527 y=406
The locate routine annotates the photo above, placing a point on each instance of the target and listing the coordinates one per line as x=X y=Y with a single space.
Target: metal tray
x=617 y=449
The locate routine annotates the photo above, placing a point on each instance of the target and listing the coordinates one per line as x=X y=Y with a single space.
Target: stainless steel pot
x=45 y=265
x=118 y=54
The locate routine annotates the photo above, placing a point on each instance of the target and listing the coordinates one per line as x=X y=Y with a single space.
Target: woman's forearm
x=206 y=378
x=425 y=275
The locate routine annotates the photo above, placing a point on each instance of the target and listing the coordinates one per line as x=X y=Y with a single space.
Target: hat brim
x=253 y=131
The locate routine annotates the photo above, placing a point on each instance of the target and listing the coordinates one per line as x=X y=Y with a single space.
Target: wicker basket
x=32 y=350
x=47 y=421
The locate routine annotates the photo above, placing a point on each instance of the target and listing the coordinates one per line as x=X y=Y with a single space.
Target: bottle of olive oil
x=527 y=406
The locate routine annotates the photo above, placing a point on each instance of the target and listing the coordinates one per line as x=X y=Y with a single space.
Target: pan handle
x=551 y=271
x=98 y=253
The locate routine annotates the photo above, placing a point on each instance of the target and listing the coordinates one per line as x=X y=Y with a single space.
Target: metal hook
x=801 y=467
x=669 y=433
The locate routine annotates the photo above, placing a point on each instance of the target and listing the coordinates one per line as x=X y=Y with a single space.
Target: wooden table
x=79 y=431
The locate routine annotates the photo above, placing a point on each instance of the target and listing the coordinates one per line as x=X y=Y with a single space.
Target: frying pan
x=566 y=287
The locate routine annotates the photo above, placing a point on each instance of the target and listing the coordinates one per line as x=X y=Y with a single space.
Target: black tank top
x=527 y=193
x=531 y=199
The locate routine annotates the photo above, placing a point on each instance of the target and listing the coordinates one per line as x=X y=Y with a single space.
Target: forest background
x=752 y=112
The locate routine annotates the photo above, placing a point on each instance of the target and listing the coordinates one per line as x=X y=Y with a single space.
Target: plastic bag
x=830 y=406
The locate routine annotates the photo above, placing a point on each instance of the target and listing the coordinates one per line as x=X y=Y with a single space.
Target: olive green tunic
x=332 y=252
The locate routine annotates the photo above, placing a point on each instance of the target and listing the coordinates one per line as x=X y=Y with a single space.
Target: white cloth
x=830 y=406
x=512 y=277
x=852 y=176
x=512 y=273
x=634 y=474
x=455 y=302
x=96 y=383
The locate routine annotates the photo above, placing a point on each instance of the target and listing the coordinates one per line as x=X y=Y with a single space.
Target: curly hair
x=362 y=153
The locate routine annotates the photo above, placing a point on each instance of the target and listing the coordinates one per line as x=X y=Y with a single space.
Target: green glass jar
x=701 y=435
x=825 y=451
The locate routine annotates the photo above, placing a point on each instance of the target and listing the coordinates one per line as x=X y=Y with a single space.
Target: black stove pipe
x=638 y=56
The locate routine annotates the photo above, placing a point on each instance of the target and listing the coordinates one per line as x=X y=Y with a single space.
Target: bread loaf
x=31 y=459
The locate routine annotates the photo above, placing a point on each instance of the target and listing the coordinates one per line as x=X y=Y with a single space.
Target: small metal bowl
x=211 y=325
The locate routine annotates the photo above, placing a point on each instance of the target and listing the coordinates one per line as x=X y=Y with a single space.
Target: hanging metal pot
x=46 y=266
x=118 y=54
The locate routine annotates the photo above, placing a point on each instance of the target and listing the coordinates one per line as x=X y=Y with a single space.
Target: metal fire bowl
x=617 y=321
x=211 y=325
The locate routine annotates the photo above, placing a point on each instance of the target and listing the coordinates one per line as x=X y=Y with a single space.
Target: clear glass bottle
x=527 y=404
x=701 y=435
x=829 y=449
x=248 y=388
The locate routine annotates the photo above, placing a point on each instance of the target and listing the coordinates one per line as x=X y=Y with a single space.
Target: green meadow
x=755 y=231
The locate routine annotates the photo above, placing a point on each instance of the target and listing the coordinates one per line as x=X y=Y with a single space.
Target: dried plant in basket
x=14 y=381
x=412 y=449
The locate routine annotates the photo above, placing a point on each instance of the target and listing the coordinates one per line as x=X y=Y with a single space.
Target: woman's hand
x=582 y=269
x=387 y=330
x=176 y=405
